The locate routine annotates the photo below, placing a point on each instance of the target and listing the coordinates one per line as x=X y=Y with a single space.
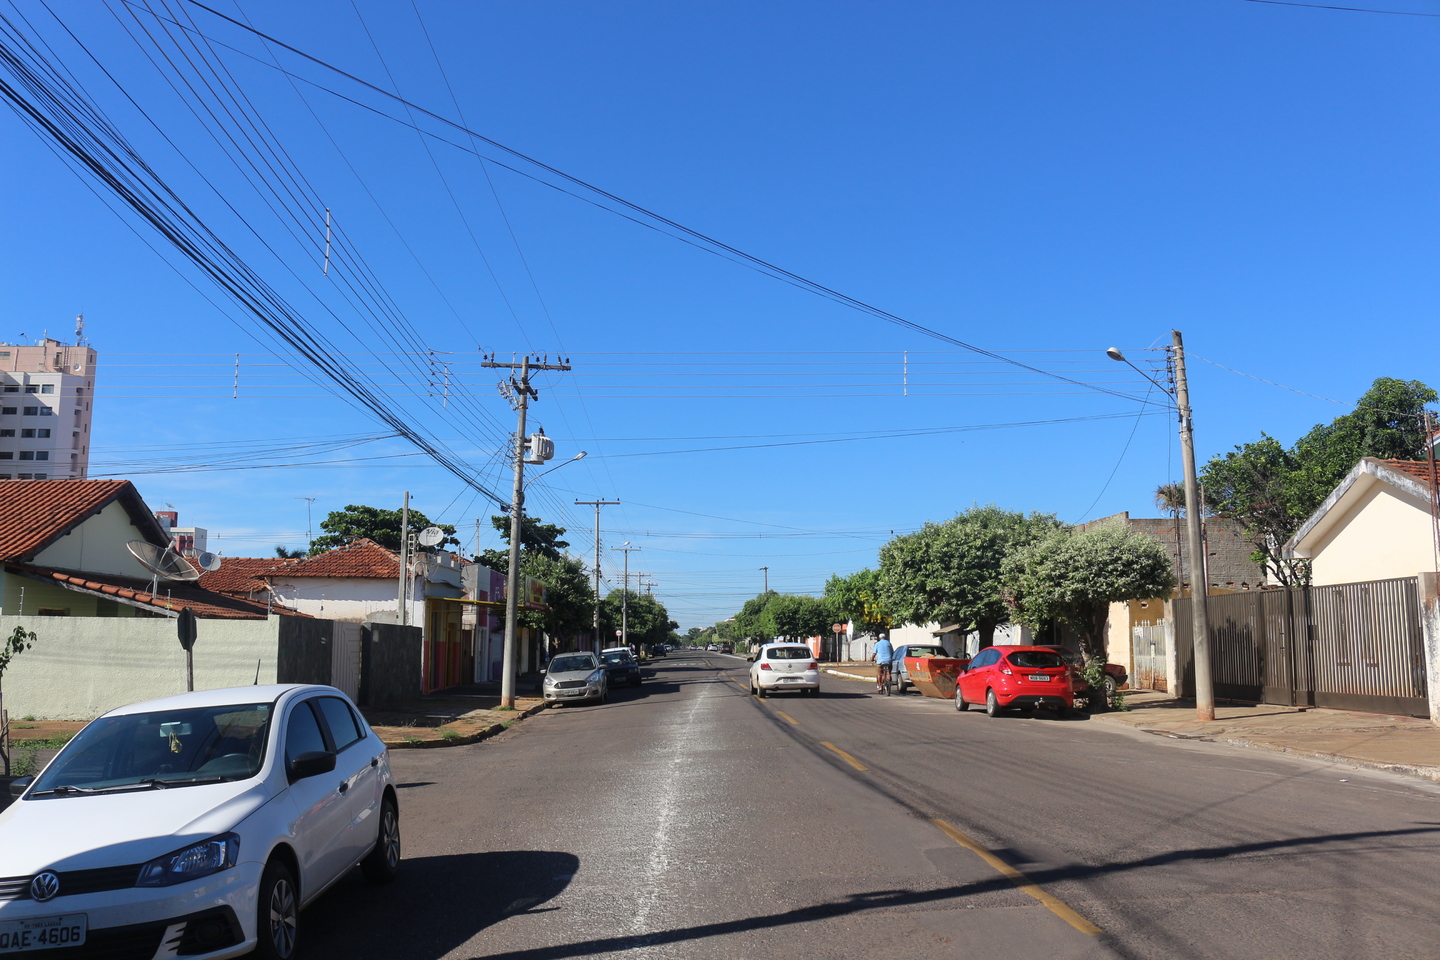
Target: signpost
x=185 y=630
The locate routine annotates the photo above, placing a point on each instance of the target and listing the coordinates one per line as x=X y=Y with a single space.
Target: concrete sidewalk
x=1369 y=740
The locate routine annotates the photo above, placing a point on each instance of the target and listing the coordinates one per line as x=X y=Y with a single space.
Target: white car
x=784 y=666
x=196 y=826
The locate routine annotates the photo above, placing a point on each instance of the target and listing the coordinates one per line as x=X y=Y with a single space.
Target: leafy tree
x=754 y=622
x=1074 y=577
x=857 y=598
x=1252 y=485
x=950 y=572
x=17 y=643
x=570 y=597
x=357 y=522
x=797 y=617
x=692 y=636
x=284 y=554
x=1170 y=498
x=537 y=538
x=649 y=621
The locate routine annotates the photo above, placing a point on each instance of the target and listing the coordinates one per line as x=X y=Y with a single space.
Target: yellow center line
x=1053 y=903
x=843 y=755
x=788 y=717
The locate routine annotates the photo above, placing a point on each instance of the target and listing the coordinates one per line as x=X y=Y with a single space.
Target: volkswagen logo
x=44 y=886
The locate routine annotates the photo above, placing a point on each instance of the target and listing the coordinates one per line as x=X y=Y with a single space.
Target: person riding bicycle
x=884 y=653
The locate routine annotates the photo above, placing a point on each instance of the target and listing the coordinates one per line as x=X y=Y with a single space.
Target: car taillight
x=1007 y=671
x=812 y=666
x=764 y=665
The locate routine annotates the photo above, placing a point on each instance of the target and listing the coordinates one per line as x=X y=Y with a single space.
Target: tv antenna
x=164 y=562
x=209 y=562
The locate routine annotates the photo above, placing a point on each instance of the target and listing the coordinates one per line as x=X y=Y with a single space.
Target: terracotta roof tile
x=176 y=596
x=1419 y=469
x=240 y=576
x=361 y=559
x=35 y=512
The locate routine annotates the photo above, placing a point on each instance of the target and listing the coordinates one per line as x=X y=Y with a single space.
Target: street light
x=1200 y=615
x=579 y=456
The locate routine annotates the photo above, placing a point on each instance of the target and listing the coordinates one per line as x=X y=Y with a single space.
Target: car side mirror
x=19 y=786
x=311 y=764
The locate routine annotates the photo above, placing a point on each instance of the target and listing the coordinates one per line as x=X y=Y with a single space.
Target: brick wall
x=1231 y=568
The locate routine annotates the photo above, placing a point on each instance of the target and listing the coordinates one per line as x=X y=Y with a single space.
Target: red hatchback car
x=1026 y=677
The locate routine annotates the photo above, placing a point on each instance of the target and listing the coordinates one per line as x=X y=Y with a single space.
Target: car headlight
x=549 y=682
x=595 y=677
x=199 y=860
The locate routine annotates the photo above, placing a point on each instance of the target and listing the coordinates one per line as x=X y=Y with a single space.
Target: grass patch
x=504 y=709
x=507 y=724
x=24 y=726
x=28 y=718
x=42 y=743
x=450 y=734
x=411 y=738
x=25 y=764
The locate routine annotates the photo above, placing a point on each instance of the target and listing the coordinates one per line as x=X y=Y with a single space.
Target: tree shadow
x=434 y=906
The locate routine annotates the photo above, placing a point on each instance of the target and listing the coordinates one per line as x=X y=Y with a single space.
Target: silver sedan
x=574 y=677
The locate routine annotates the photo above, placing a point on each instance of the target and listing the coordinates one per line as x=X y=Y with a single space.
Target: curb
x=849 y=676
x=476 y=737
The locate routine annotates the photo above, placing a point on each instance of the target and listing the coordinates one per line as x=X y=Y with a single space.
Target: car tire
x=992 y=704
x=277 y=926
x=1111 y=687
x=1062 y=713
x=383 y=863
x=961 y=704
x=760 y=691
x=635 y=682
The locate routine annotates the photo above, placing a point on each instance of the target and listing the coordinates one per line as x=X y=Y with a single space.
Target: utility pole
x=1200 y=615
x=625 y=595
x=767 y=578
x=519 y=393
x=404 y=612
x=597 y=504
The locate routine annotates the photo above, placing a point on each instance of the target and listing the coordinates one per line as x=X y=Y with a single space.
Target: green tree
x=570 y=597
x=692 y=636
x=537 y=538
x=798 y=617
x=1252 y=485
x=284 y=554
x=1073 y=578
x=857 y=598
x=950 y=572
x=649 y=621
x=357 y=522
x=754 y=621
x=17 y=643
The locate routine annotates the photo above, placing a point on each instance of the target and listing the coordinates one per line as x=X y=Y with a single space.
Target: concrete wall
x=97 y=546
x=305 y=651
x=80 y=667
x=389 y=663
x=1386 y=533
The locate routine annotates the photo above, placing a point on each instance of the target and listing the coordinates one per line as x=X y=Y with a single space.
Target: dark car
x=620 y=666
x=899 y=675
x=1115 y=675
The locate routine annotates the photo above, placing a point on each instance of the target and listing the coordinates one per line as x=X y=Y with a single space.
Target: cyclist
x=884 y=653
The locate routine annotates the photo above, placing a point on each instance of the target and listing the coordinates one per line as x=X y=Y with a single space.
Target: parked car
x=712 y=647
x=1025 y=677
x=199 y=824
x=726 y=648
x=620 y=667
x=575 y=677
x=1115 y=675
x=784 y=666
x=899 y=677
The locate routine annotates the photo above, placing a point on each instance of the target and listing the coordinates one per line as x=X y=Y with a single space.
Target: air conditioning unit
x=539 y=448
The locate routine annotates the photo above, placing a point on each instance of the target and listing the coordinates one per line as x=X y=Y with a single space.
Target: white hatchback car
x=196 y=826
x=784 y=666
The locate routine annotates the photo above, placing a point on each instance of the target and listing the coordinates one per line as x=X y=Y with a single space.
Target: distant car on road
x=1115 y=675
x=784 y=666
x=575 y=677
x=725 y=648
x=1025 y=677
x=198 y=825
x=899 y=676
x=620 y=666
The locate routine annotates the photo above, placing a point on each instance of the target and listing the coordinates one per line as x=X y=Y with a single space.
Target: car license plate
x=1038 y=677
x=42 y=933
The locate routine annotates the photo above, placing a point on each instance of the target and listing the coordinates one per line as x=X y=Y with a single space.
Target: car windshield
x=610 y=658
x=162 y=748
x=1034 y=659
x=925 y=652
x=790 y=653
x=572 y=664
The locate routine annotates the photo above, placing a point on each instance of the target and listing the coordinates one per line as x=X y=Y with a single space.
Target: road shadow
x=436 y=905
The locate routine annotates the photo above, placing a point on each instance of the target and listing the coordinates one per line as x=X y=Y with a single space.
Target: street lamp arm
x=1114 y=354
x=579 y=456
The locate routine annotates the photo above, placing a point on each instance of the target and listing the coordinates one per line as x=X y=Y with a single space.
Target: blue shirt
x=884 y=652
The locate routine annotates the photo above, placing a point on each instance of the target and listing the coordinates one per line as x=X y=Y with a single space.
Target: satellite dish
x=162 y=561
x=209 y=561
x=430 y=536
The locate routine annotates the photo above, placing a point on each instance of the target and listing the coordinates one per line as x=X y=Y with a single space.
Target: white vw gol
x=196 y=826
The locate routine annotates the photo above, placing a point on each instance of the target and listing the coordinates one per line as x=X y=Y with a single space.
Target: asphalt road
x=690 y=820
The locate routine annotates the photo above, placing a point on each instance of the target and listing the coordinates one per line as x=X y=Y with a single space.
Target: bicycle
x=882 y=679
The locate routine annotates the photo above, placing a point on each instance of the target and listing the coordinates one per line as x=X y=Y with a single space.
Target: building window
x=73 y=458
x=54 y=611
x=12 y=388
x=7 y=433
x=40 y=455
x=47 y=388
x=79 y=391
x=7 y=454
x=46 y=411
x=4 y=353
x=4 y=476
x=9 y=411
x=32 y=388
x=32 y=411
x=42 y=476
x=26 y=476
x=27 y=454
x=43 y=433
x=28 y=433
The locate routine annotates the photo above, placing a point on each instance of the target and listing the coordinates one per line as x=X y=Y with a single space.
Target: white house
x=1376 y=525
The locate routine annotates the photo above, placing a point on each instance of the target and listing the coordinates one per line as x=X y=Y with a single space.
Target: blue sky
x=1041 y=179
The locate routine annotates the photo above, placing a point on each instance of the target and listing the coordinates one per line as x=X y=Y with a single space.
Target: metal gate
x=1149 y=648
x=345 y=659
x=1354 y=646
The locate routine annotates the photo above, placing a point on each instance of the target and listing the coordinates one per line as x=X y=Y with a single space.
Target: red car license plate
x=1038 y=676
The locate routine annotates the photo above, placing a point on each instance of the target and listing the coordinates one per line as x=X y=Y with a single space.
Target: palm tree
x=1170 y=498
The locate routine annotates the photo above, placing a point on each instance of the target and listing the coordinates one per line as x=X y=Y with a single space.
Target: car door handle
x=374 y=761
x=344 y=785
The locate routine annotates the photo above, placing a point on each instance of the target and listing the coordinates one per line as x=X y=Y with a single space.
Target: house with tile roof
x=1377 y=524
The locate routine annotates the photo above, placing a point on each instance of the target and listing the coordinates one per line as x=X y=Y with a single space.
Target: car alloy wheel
x=279 y=913
x=383 y=863
x=992 y=705
x=961 y=704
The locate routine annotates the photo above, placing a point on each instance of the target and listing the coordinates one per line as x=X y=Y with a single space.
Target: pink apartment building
x=45 y=394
